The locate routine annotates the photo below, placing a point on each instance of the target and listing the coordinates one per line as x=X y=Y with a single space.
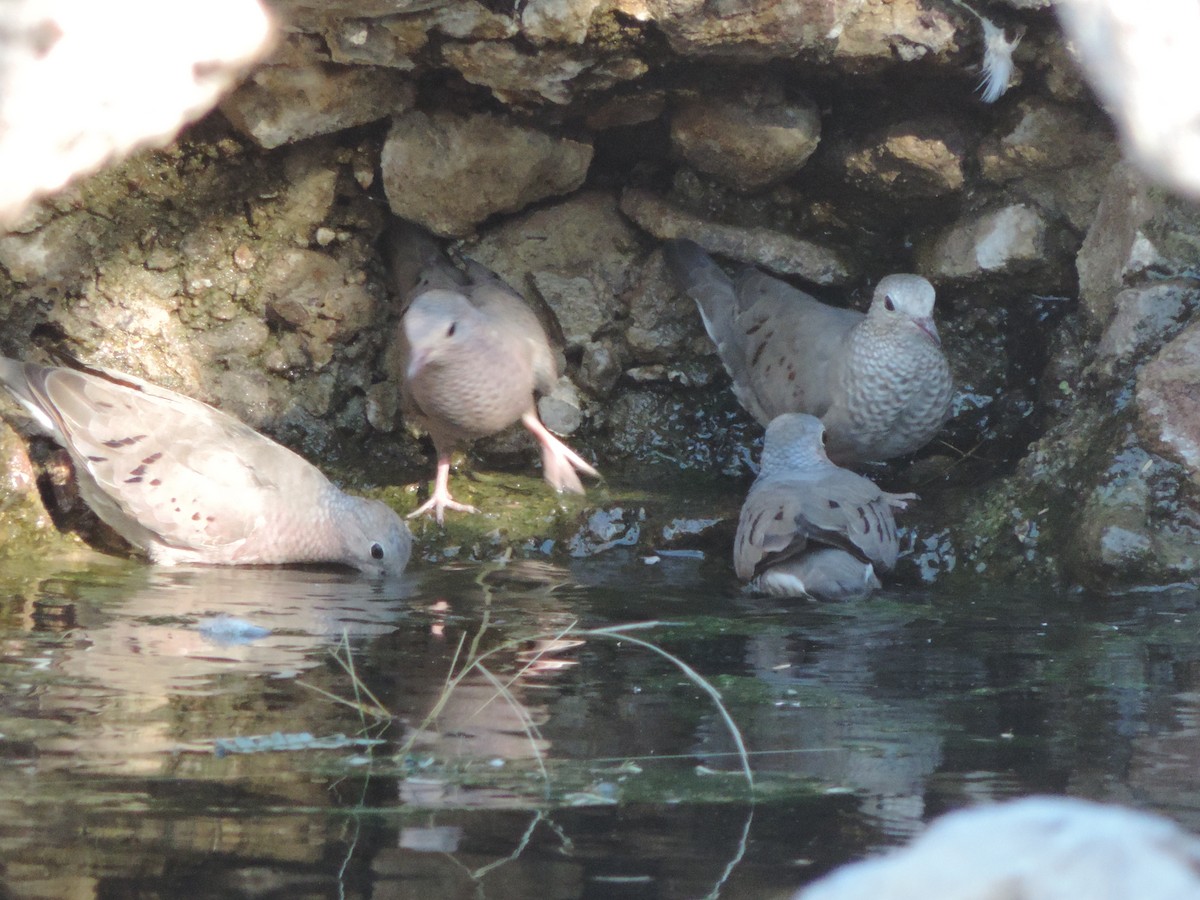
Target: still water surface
x=604 y=772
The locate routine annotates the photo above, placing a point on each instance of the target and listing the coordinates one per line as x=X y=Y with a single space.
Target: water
x=599 y=770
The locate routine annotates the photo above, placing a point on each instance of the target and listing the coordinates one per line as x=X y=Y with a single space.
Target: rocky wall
x=560 y=141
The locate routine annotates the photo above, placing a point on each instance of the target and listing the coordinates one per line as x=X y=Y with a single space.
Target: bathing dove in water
x=188 y=484
x=473 y=355
x=878 y=381
x=810 y=528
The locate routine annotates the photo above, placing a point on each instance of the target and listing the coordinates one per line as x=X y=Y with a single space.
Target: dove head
x=794 y=441
x=376 y=539
x=438 y=324
x=905 y=298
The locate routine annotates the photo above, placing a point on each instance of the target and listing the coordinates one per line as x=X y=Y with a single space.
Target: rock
x=1143 y=318
x=308 y=292
x=861 y=31
x=578 y=305
x=1137 y=230
x=747 y=141
x=1168 y=403
x=1001 y=241
x=772 y=250
x=428 y=158
x=551 y=75
x=1046 y=136
x=117 y=78
x=662 y=325
x=293 y=100
x=1039 y=848
x=909 y=160
x=558 y=21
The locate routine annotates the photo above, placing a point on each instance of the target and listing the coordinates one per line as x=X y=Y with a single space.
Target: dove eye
x=376 y=551
x=453 y=328
x=889 y=304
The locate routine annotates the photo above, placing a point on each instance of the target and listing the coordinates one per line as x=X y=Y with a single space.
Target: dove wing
x=163 y=466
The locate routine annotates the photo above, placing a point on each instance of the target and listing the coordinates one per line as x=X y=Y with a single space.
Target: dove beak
x=416 y=363
x=925 y=323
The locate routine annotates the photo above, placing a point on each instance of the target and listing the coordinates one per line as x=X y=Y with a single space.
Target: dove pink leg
x=441 y=500
x=559 y=462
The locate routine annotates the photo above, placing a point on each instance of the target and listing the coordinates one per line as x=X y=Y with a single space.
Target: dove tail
x=716 y=297
x=15 y=378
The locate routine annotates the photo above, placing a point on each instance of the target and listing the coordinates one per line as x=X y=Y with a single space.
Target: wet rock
x=1144 y=317
x=1139 y=524
x=606 y=529
x=1050 y=848
x=997 y=242
x=750 y=140
x=551 y=75
x=1168 y=402
x=295 y=99
x=1139 y=232
x=909 y=160
x=772 y=250
x=427 y=159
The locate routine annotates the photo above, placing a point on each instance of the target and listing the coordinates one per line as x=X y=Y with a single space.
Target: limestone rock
x=554 y=75
x=747 y=141
x=1143 y=318
x=997 y=242
x=662 y=325
x=772 y=250
x=308 y=292
x=909 y=160
x=428 y=158
x=1046 y=136
x=856 y=30
x=282 y=104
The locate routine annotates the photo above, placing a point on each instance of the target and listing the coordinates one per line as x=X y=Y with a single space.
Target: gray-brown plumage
x=809 y=527
x=187 y=483
x=474 y=355
x=878 y=381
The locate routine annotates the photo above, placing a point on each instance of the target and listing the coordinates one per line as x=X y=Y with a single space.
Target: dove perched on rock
x=811 y=528
x=473 y=355
x=878 y=381
x=188 y=484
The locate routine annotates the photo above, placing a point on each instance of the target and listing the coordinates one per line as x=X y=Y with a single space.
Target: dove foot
x=441 y=500
x=559 y=462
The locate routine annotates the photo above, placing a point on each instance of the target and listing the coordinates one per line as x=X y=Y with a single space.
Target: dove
x=810 y=528
x=473 y=356
x=188 y=484
x=878 y=381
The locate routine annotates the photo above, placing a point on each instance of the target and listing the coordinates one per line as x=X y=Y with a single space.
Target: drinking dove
x=810 y=528
x=878 y=381
x=188 y=484
x=473 y=355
